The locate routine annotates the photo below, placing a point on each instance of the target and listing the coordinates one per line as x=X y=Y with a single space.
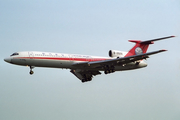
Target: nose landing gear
x=31 y=71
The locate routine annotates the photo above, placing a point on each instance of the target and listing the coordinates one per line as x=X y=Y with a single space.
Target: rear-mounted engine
x=115 y=53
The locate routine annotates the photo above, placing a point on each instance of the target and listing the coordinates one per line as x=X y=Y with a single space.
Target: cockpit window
x=15 y=54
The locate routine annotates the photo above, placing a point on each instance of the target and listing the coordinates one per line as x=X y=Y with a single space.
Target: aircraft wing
x=123 y=60
x=86 y=70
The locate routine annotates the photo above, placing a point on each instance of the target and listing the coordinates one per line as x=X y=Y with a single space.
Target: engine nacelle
x=115 y=53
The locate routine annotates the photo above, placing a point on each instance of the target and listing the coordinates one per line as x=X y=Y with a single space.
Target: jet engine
x=115 y=53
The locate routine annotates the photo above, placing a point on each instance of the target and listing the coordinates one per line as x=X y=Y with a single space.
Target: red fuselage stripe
x=68 y=59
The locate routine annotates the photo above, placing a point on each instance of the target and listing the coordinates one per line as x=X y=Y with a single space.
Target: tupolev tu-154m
x=84 y=67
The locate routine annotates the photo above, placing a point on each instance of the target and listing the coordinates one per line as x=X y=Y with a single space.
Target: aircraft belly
x=69 y=64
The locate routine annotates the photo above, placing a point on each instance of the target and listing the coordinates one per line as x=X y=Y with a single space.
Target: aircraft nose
x=7 y=60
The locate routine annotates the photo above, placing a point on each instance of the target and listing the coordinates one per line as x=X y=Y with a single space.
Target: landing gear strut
x=31 y=71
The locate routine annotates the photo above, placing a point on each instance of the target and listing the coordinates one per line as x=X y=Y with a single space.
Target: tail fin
x=142 y=46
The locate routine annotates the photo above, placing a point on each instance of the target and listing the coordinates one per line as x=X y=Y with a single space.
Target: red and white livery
x=85 y=67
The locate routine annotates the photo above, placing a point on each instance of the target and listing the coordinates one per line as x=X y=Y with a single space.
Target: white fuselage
x=60 y=60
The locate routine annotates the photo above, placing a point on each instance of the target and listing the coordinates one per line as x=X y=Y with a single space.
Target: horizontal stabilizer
x=152 y=41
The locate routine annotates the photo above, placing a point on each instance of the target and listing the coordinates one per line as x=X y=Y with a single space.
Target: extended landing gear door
x=31 y=55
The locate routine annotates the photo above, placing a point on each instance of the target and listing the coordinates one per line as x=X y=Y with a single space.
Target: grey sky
x=90 y=27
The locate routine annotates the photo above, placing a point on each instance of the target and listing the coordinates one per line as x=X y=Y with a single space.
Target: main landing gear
x=108 y=69
x=86 y=78
x=31 y=71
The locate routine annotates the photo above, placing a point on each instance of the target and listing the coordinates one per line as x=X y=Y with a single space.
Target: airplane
x=84 y=67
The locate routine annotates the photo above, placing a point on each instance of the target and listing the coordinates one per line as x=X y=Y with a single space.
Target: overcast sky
x=90 y=27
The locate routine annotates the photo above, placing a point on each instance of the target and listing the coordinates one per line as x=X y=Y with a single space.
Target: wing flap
x=85 y=75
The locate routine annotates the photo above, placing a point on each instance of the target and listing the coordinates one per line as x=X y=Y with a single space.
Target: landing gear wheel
x=83 y=80
x=109 y=71
x=31 y=72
